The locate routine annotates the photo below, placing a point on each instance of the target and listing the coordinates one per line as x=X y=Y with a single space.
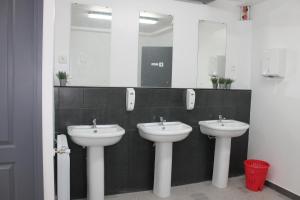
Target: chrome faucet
x=221 y=118
x=94 y=123
x=162 y=121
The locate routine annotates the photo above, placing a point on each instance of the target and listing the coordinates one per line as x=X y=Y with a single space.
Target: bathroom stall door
x=156 y=67
x=20 y=125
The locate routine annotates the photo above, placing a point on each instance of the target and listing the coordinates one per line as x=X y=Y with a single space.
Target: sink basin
x=163 y=134
x=95 y=138
x=102 y=135
x=225 y=128
x=169 y=132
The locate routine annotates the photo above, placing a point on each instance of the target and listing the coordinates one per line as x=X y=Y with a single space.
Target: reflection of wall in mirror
x=217 y=66
x=62 y=36
x=90 y=58
x=82 y=45
x=211 y=52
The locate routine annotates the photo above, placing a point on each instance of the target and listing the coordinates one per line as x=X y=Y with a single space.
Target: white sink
x=169 y=132
x=95 y=138
x=223 y=130
x=103 y=135
x=163 y=134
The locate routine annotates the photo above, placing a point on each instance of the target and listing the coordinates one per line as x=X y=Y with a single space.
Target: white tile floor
x=205 y=191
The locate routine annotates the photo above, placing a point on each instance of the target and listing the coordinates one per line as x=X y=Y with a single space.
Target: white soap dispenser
x=190 y=99
x=130 y=99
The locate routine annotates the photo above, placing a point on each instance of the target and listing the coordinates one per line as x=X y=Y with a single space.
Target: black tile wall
x=129 y=165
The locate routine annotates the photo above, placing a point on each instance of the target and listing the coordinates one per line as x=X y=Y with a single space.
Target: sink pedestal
x=221 y=162
x=163 y=169
x=163 y=135
x=95 y=173
x=223 y=130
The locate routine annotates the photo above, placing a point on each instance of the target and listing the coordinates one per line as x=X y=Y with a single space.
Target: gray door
x=156 y=67
x=20 y=67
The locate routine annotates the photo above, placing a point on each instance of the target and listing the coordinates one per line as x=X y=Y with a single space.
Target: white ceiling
x=246 y=2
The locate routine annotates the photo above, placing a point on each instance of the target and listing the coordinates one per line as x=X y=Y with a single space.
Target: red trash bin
x=256 y=172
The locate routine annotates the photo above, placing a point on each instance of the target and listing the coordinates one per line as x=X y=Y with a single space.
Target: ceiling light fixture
x=108 y=16
x=99 y=15
x=148 y=20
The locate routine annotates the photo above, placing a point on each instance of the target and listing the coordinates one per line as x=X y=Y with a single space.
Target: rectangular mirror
x=155 y=50
x=90 y=42
x=211 y=52
x=82 y=44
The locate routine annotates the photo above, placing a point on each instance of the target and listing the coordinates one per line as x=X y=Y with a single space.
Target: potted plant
x=214 y=81
x=228 y=83
x=62 y=77
x=222 y=82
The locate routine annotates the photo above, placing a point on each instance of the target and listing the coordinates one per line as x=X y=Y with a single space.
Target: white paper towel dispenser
x=274 y=63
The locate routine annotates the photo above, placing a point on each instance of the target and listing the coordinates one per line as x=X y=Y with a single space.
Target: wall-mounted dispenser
x=190 y=99
x=130 y=99
x=274 y=63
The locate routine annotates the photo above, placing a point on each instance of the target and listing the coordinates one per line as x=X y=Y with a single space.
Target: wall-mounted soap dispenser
x=190 y=99
x=274 y=63
x=130 y=99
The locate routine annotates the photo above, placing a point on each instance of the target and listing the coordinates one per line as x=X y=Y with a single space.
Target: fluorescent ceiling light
x=151 y=15
x=99 y=15
x=108 y=16
x=148 y=20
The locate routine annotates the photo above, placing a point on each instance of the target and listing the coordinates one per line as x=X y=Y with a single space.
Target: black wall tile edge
x=152 y=88
x=282 y=191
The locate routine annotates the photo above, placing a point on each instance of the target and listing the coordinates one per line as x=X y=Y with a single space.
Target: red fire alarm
x=245 y=13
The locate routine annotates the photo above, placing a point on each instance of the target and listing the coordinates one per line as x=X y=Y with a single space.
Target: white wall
x=239 y=54
x=274 y=132
x=89 y=58
x=48 y=99
x=125 y=32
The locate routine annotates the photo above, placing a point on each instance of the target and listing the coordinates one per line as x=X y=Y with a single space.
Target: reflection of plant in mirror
x=228 y=83
x=214 y=81
x=62 y=76
x=222 y=82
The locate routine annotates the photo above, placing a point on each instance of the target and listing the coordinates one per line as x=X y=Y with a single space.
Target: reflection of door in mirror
x=155 y=50
x=212 y=52
x=82 y=40
x=156 y=67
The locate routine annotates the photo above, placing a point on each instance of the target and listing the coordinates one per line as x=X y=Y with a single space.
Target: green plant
x=222 y=80
x=214 y=80
x=229 y=81
x=61 y=75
